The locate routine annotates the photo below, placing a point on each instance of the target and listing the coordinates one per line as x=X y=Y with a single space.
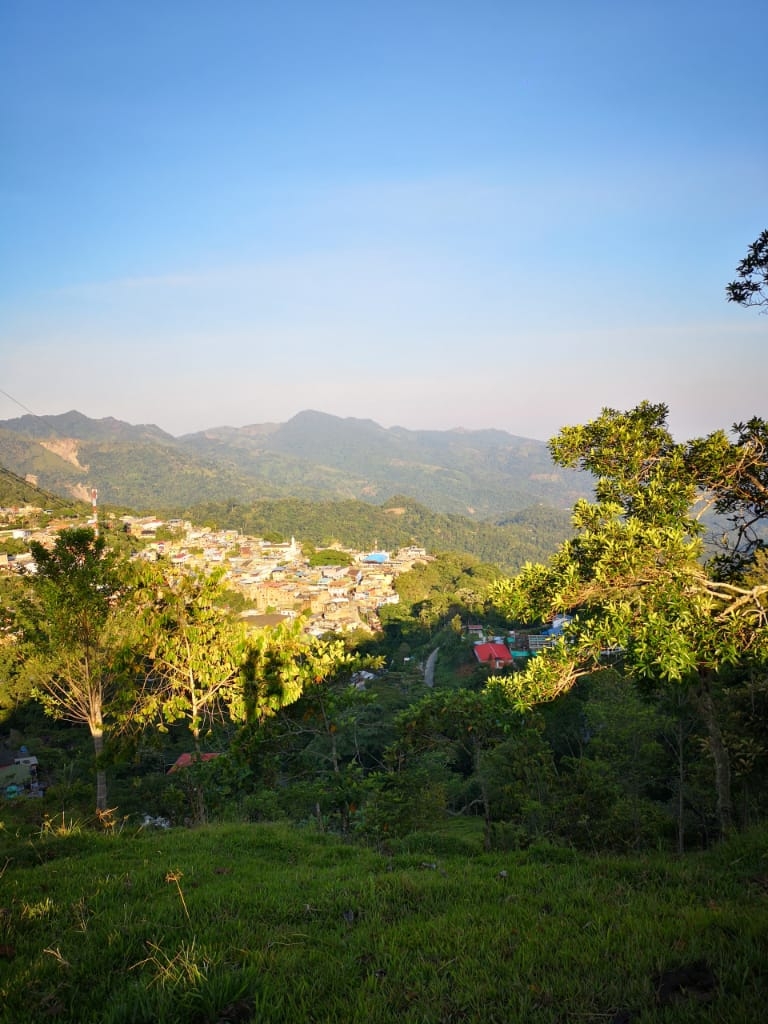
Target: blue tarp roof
x=377 y=556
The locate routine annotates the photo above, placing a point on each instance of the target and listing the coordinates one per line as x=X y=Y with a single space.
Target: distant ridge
x=483 y=474
x=75 y=425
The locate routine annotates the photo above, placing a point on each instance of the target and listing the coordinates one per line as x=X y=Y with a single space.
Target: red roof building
x=493 y=655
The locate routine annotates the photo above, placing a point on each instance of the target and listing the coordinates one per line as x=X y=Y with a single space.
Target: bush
x=263 y=805
x=399 y=803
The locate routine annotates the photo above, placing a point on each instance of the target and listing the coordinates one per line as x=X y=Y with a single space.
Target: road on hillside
x=429 y=670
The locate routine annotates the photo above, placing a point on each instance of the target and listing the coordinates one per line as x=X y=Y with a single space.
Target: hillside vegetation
x=15 y=492
x=481 y=474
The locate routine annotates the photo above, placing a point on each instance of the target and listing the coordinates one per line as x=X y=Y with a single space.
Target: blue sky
x=431 y=214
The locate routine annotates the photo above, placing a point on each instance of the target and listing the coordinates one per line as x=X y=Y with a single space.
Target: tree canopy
x=189 y=653
x=72 y=618
x=633 y=579
x=750 y=288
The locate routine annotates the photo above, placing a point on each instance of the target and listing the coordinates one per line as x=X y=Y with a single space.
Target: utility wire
x=21 y=405
x=55 y=499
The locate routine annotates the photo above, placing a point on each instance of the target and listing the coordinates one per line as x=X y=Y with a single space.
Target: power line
x=50 y=498
x=53 y=499
x=21 y=405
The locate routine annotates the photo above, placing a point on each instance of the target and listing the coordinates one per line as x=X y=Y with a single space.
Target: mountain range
x=482 y=474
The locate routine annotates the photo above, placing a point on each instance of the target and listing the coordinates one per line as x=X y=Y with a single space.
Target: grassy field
x=271 y=923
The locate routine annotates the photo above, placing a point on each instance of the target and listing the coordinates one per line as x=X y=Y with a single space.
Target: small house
x=494 y=655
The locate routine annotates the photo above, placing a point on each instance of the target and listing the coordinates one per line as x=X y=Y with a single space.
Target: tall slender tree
x=466 y=725
x=73 y=620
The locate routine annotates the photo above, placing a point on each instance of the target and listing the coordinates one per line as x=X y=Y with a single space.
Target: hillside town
x=276 y=580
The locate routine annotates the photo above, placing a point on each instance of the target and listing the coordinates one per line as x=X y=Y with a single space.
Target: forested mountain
x=75 y=425
x=483 y=474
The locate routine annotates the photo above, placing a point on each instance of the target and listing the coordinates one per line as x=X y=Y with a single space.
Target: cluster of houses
x=11 y=528
x=500 y=652
x=277 y=580
x=279 y=584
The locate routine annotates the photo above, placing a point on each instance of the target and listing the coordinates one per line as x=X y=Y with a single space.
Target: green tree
x=281 y=662
x=466 y=725
x=304 y=718
x=633 y=578
x=328 y=556
x=625 y=733
x=16 y=648
x=750 y=288
x=188 y=651
x=74 y=621
x=12 y=546
x=736 y=475
x=321 y=743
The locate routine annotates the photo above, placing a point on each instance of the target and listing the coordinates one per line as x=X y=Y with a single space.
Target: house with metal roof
x=494 y=655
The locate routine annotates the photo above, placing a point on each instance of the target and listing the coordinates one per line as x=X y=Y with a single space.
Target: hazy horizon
x=260 y=423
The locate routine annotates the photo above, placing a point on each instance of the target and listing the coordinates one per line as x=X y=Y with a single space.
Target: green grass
x=271 y=923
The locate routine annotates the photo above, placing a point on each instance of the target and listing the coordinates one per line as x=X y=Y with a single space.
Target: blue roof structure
x=378 y=557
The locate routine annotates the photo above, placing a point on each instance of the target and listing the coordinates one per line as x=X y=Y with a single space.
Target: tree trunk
x=680 y=788
x=101 y=775
x=196 y=793
x=720 y=756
